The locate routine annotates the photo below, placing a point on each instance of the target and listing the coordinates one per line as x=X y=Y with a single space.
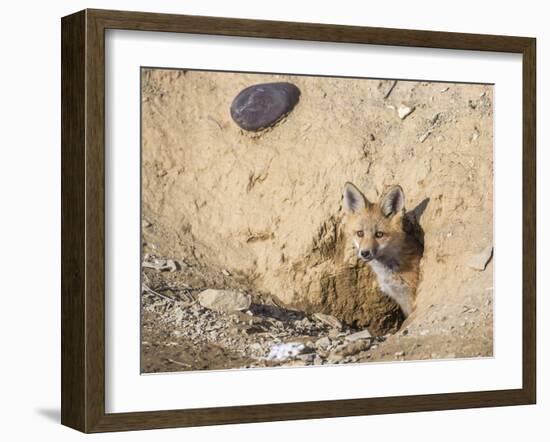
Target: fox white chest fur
x=392 y=285
x=380 y=238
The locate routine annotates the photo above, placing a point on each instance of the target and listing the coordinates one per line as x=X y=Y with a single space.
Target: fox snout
x=366 y=254
x=367 y=247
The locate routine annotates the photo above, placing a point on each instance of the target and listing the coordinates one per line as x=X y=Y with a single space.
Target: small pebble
x=403 y=111
x=480 y=260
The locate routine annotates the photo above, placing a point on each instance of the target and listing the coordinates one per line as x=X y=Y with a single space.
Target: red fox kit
x=383 y=236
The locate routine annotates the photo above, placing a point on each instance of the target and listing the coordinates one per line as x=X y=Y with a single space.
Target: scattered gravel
x=257 y=334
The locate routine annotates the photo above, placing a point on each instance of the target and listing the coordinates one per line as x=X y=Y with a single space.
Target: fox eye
x=379 y=234
x=360 y=233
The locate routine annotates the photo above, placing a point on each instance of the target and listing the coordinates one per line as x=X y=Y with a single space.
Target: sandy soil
x=261 y=214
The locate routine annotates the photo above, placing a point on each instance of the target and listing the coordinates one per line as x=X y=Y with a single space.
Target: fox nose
x=366 y=254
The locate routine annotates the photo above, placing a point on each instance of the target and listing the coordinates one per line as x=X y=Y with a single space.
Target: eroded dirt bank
x=262 y=215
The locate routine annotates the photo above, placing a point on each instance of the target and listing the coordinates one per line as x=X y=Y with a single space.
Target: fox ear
x=354 y=200
x=392 y=202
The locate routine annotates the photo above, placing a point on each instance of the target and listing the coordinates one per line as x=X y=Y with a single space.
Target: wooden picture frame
x=83 y=220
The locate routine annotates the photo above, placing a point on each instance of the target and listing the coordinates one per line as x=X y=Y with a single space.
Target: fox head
x=376 y=229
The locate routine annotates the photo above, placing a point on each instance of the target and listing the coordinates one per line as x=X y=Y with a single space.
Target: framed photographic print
x=267 y=221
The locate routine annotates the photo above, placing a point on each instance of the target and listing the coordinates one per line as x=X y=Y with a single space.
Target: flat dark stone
x=262 y=105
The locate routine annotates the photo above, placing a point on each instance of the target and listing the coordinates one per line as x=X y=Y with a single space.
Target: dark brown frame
x=83 y=214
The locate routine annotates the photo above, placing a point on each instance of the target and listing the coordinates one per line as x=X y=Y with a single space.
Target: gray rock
x=226 y=301
x=363 y=334
x=328 y=320
x=263 y=105
x=335 y=334
x=480 y=260
x=335 y=358
x=404 y=111
x=296 y=363
x=323 y=342
x=162 y=265
x=255 y=346
x=352 y=348
x=307 y=357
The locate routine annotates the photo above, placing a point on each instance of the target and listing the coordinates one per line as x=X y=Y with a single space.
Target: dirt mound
x=267 y=207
